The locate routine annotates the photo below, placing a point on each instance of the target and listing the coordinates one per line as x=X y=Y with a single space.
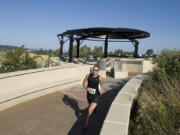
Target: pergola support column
x=98 y=33
x=136 y=51
x=71 y=40
x=106 y=47
x=61 y=46
x=78 y=47
x=136 y=44
x=61 y=41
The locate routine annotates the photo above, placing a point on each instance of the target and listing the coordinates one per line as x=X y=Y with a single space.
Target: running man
x=91 y=84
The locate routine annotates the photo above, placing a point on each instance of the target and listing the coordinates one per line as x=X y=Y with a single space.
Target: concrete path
x=59 y=113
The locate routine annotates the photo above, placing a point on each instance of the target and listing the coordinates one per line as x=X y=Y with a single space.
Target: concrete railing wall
x=147 y=66
x=117 y=119
x=17 y=87
x=135 y=65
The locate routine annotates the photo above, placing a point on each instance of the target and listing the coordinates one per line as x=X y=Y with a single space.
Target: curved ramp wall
x=117 y=119
x=21 y=86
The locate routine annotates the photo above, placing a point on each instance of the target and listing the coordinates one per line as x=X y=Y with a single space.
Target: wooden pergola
x=101 y=34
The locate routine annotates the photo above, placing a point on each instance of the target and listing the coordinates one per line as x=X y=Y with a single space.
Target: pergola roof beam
x=104 y=34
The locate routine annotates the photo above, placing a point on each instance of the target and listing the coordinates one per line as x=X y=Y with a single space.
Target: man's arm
x=101 y=84
x=85 y=83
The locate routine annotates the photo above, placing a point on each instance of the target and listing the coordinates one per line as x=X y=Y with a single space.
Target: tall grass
x=21 y=59
x=156 y=110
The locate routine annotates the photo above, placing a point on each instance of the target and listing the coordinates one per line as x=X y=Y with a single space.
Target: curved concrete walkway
x=59 y=113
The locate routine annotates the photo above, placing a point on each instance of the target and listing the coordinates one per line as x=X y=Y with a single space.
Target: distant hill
x=7 y=47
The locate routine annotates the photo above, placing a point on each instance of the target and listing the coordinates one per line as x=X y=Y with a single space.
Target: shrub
x=156 y=110
x=50 y=63
x=169 y=62
x=18 y=59
x=21 y=59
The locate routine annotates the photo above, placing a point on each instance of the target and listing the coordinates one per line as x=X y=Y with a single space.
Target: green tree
x=149 y=52
x=157 y=106
x=50 y=51
x=18 y=59
x=128 y=52
x=74 y=50
x=44 y=52
x=118 y=51
x=110 y=53
x=98 y=51
x=169 y=62
x=84 y=50
x=57 y=52
x=40 y=51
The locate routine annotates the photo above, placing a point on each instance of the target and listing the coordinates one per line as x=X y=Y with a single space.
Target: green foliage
x=21 y=59
x=149 y=52
x=50 y=63
x=46 y=52
x=57 y=52
x=7 y=47
x=118 y=51
x=110 y=53
x=18 y=59
x=157 y=108
x=84 y=51
x=74 y=50
x=130 y=53
x=98 y=51
x=2 y=56
x=169 y=62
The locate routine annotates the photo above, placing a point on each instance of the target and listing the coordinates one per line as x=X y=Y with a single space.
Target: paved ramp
x=59 y=113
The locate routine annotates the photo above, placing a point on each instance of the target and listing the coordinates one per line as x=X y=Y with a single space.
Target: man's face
x=95 y=71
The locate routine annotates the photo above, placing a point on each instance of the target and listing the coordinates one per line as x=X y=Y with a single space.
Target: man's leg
x=90 y=111
x=96 y=101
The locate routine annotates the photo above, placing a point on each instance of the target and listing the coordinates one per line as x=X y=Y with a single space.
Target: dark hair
x=96 y=66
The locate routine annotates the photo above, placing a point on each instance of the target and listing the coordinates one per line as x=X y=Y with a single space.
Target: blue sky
x=35 y=23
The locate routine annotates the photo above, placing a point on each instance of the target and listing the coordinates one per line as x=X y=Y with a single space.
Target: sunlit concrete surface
x=59 y=113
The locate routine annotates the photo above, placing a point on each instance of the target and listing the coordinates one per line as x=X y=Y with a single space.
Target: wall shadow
x=97 y=119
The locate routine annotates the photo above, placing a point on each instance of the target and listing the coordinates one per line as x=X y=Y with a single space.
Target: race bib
x=92 y=91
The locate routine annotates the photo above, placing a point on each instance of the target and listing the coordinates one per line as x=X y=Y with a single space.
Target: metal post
x=106 y=47
x=78 y=45
x=61 y=46
x=70 y=47
x=136 y=51
x=135 y=43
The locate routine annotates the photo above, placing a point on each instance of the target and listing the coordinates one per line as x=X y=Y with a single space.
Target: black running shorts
x=92 y=98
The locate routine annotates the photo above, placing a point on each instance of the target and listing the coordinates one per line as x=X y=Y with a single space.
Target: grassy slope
x=156 y=110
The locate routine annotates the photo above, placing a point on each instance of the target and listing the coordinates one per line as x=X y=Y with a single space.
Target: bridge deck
x=59 y=113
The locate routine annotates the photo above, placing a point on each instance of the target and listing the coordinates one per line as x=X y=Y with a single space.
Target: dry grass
x=20 y=59
x=2 y=56
x=45 y=60
x=157 y=109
